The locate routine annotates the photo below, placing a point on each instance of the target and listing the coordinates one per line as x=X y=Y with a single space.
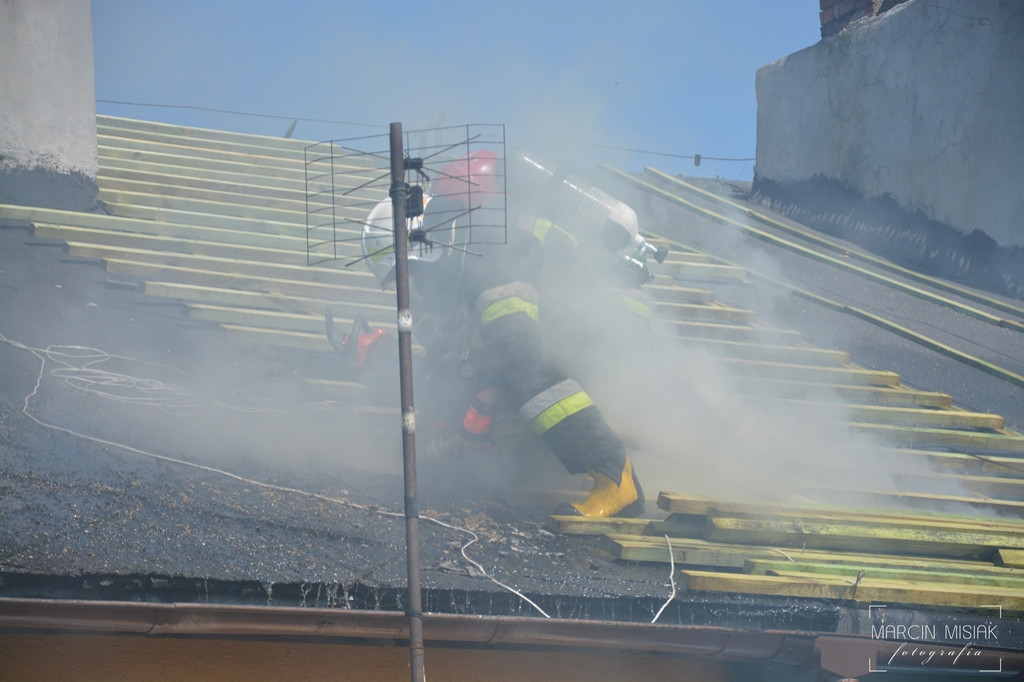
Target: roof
x=172 y=429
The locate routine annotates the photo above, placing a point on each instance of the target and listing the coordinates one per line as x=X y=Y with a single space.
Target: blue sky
x=572 y=79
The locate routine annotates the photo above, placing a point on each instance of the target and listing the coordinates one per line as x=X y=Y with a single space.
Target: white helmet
x=573 y=203
x=378 y=243
x=622 y=228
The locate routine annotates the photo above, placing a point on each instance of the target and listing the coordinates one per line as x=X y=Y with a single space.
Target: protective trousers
x=557 y=408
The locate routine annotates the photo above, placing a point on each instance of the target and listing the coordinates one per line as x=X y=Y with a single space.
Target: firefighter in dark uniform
x=491 y=296
x=594 y=310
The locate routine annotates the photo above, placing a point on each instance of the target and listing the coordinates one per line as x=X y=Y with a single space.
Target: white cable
x=671 y=577
x=103 y=377
x=481 y=568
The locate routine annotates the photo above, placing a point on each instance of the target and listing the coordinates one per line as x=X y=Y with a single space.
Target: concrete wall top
x=47 y=94
x=924 y=103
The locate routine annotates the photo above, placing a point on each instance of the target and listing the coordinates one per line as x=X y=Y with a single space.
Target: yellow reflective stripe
x=543 y=226
x=562 y=409
x=525 y=291
x=568 y=235
x=507 y=306
x=548 y=397
x=636 y=306
x=377 y=255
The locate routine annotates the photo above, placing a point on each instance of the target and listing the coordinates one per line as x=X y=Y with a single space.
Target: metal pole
x=399 y=195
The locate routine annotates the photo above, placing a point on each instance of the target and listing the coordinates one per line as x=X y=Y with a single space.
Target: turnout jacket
x=495 y=297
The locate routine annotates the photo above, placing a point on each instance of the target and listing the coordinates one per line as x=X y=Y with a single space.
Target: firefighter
x=484 y=306
x=595 y=311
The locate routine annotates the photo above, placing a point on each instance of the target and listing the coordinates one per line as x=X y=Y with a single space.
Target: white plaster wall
x=47 y=91
x=924 y=103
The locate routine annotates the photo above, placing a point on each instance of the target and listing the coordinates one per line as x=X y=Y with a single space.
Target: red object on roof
x=469 y=179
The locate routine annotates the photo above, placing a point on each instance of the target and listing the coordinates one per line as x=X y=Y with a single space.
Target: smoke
x=113 y=367
x=701 y=420
x=254 y=426
x=700 y=430
x=699 y=415
x=695 y=423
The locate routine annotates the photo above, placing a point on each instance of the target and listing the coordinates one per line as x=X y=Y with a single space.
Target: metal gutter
x=228 y=621
x=846 y=655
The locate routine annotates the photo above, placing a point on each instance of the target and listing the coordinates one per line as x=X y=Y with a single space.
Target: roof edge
x=217 y=621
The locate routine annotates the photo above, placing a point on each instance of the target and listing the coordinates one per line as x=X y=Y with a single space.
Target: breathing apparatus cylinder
x=571 y=202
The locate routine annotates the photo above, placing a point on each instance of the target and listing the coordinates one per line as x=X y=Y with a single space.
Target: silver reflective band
x=536 y=405
x=522 y=290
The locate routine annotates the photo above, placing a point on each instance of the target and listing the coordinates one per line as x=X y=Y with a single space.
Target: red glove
x=363 y=343
x=475 y=432
x=471 y=436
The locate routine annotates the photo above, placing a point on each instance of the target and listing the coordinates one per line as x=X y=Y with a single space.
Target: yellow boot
x=608 y=498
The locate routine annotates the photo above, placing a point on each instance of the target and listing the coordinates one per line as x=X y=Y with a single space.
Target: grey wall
x=924 y=103
x=47 y=104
